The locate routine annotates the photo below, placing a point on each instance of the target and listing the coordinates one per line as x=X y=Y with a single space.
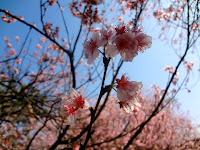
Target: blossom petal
x=86 y=105
x=112 y=51
x=128 y=92
x=144 y=41
x=69 y=98
x=91 y=56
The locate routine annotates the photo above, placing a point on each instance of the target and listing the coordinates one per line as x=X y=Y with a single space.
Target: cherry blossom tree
x=64 y=91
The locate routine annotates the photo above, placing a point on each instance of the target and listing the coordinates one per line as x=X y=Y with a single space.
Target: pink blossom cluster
x=71 y=103
x=189 y=66
x=168 y=13
x=17 y=38
x=7 y=41
x=170 y=69
x=89 y=16
x=123 y=41
x=51 y=32
x=51 y=2
x=128 y=92
x=134 y=4
x=6 y=18
x=12 y=52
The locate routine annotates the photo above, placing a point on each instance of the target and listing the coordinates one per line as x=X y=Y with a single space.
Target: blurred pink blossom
x=9 y=45
x=18 y=61
x=17 y=38
x=38 y=46
x=6 y=39
x=12 y=52
x=42 y=39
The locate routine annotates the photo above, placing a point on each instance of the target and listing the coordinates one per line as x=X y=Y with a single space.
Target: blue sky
x=147 y=67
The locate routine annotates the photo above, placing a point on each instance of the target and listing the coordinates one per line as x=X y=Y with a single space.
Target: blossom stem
x=93 y=112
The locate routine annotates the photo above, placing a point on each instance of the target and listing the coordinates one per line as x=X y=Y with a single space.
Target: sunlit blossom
x=38 y=46
x=128 y=92
x=18 y=61
x=91 y=50
x=144 y=41
x=42 y=39
x=128 y=42
x=17 y=38
x=9 y=45
x=106 y=35
x=12 y=52
x=6 y=39
x=71 y=103
x=125 y=44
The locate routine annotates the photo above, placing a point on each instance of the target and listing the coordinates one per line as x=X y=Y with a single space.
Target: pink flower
x=36 y=53
x=38 y=46
x=42 y=39
x=16 y=71
x=121 y=28
x=175 y=80
x=189 y=66
x=144 y=41
x=77 y=147
x=71 y=103
x=170 y=69
x=106 y=35
x=52 y=2
x=64 y=40
x=18 y=61
x=17 y=38
x=128 y=92
x=12 y=52
x=130 y=107
x=91 y=47
x=66 y=46
x=6 y=39
x=128 y=42
x=9 y=45
x=21 y=18
x=125 y=44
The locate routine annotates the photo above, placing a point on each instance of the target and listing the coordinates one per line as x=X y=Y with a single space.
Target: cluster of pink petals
x=123 y=41
x=170 y=69
x=125 y=44
x=12 y=52
x=17 y=38
x=91 y=50
x=128 y=92
x=72 y=102
x=38 y=46
x=128 y=43
x=18 y=61
x=189 y=66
